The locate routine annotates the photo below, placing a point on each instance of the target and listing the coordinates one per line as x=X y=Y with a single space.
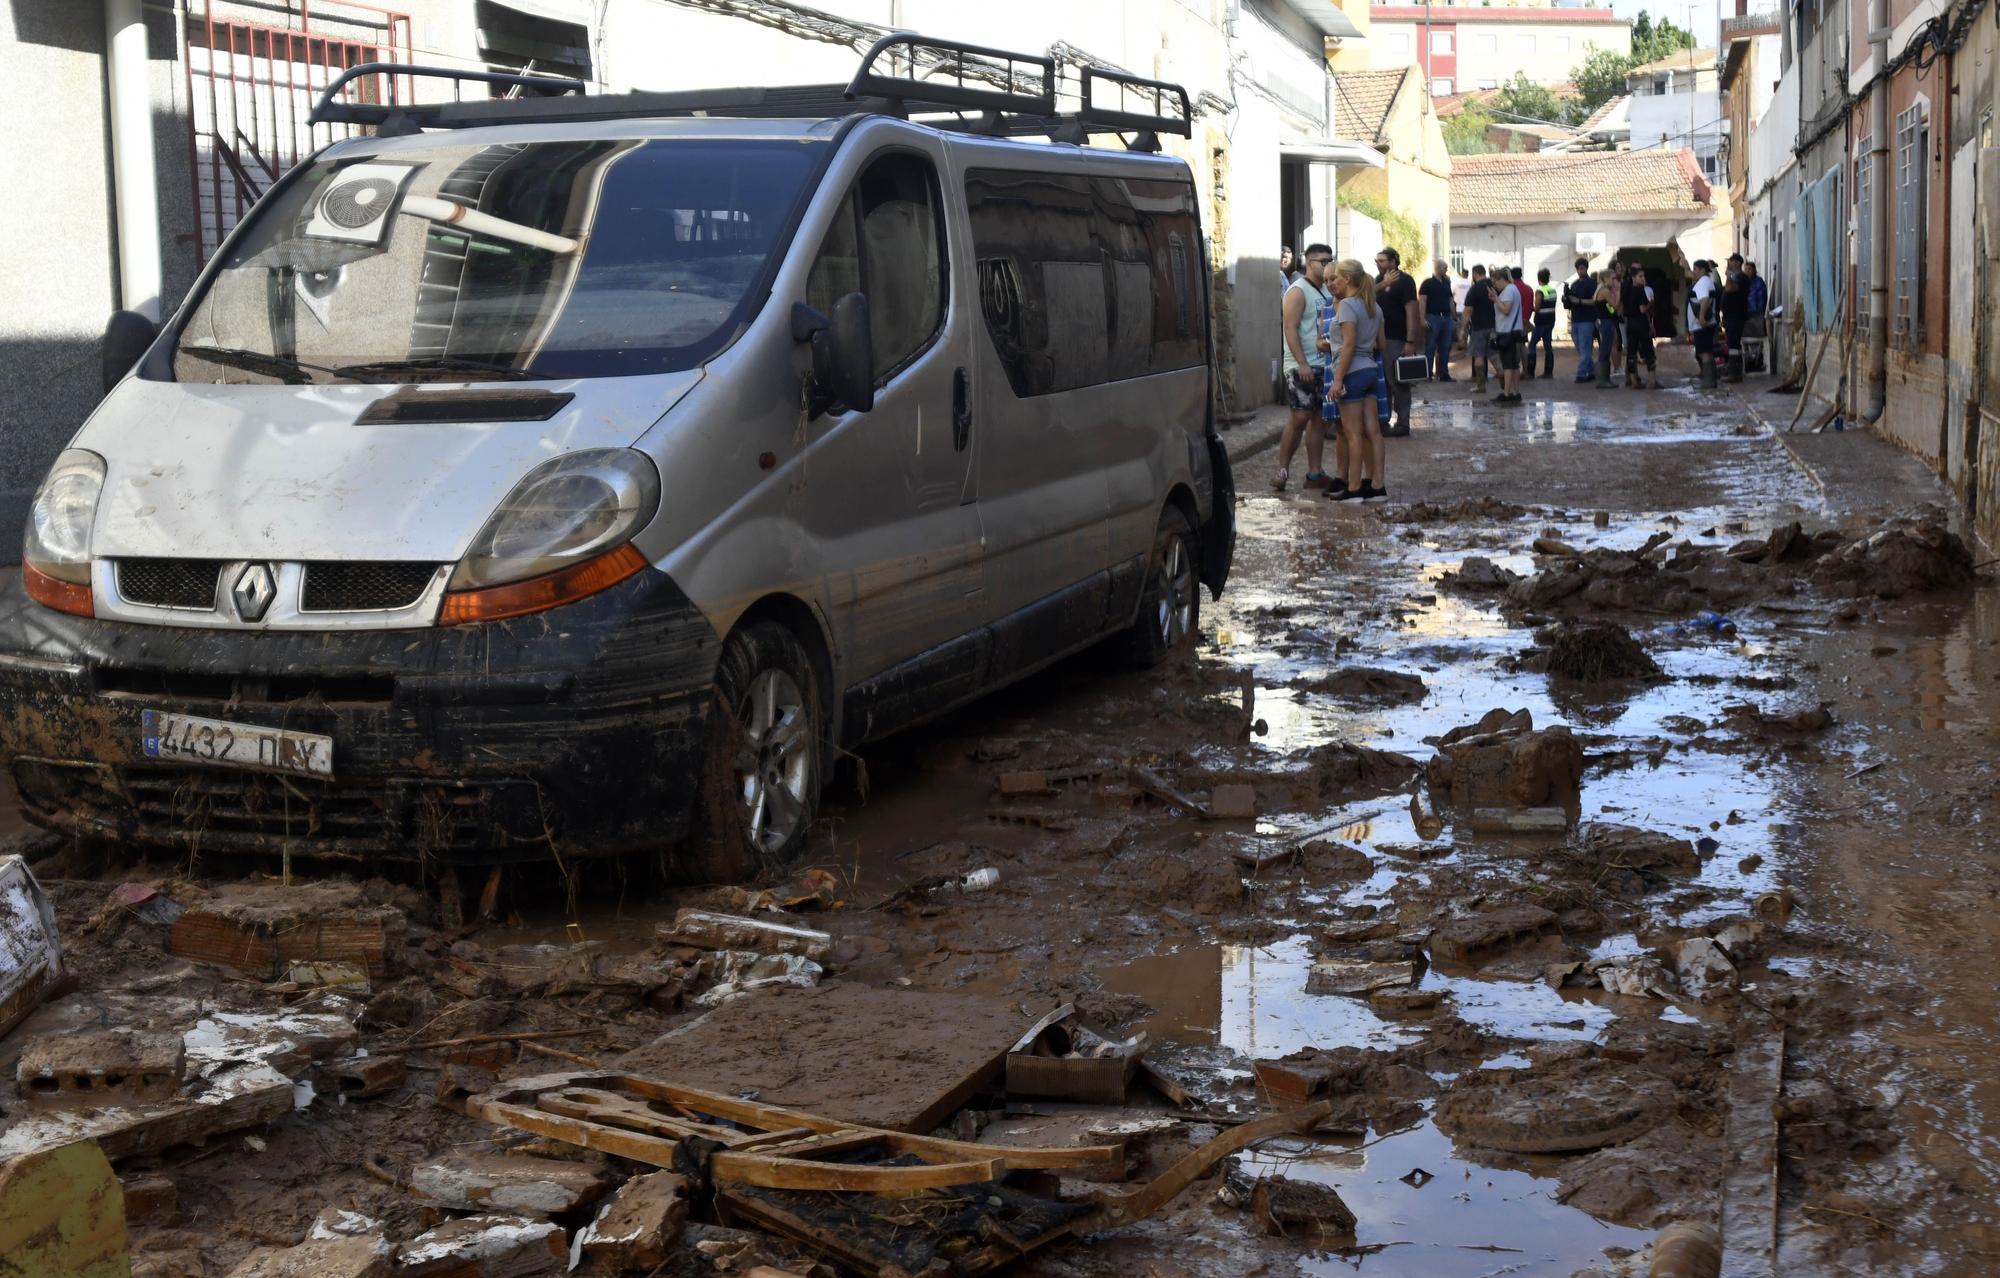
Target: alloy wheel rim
x=774 y=759
x=1176 y=608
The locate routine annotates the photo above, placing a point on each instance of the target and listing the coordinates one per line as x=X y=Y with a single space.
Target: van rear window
x=1086 y=280
x=587 y=258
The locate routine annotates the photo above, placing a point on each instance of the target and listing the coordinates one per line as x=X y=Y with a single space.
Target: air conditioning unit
x=1590 y=243
x=356 y=206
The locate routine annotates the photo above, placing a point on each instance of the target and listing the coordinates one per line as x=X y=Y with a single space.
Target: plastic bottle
x=975 y=881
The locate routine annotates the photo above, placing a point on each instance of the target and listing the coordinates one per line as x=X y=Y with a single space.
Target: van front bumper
x=575 y=732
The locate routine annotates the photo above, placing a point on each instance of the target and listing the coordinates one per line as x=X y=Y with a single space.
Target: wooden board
x=1750 y=1175
x=887 y=1057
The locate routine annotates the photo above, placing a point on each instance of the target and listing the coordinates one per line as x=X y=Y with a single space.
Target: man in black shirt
x=1440 y=318
x=1735 y=313
x=1577 y=299
x=1479 y=328
x=1396 y=294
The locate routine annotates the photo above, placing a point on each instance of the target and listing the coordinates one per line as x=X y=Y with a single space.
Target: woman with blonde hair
x=1351 y=335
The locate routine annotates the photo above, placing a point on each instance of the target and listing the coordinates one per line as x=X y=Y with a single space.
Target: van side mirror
x=843 y=354
x=126 y=338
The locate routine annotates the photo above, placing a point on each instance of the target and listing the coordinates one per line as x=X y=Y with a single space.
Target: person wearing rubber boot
x=1544 y=332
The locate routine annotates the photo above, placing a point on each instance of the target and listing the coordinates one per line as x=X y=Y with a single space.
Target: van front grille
x=170 y=583
x=364 y=586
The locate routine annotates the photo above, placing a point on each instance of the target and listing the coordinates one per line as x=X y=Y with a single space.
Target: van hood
x=205 y=471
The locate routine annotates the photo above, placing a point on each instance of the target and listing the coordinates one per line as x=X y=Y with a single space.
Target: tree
x=1465 y=133
x=1523 y=101
x=1653 y=39
x=1600 y=77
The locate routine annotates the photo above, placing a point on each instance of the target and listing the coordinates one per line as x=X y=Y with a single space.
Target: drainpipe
x=135 y=186
x=1878 y=230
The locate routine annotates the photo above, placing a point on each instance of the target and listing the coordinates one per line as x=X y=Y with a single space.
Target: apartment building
x=1464 y=47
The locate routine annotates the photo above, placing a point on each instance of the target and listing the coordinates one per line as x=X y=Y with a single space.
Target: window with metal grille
x=1864 y=232
x=1913 y=137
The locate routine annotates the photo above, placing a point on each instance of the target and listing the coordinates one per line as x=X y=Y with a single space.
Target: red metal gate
x=250 y=89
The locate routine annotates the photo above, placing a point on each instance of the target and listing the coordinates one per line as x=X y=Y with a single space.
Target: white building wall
x=1546 y=52
x=1672 y=120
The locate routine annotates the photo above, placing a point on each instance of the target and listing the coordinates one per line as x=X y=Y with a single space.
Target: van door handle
x=961 y=410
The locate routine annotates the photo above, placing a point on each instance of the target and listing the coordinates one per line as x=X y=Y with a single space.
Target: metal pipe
x=472 y=220
x=135 y=189
x=1880 y=206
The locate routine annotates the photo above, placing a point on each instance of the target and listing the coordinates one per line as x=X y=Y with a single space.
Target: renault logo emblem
x=253 y=592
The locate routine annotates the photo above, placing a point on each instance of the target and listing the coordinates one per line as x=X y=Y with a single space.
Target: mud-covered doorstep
x=1689 y=908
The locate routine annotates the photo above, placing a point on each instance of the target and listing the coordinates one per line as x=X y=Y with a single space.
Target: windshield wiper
x=440 y=363
x=291 y=371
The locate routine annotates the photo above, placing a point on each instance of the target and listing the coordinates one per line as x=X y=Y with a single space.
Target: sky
x=1706 y=14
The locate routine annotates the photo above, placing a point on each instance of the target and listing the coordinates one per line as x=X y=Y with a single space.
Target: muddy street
x=1595 y=833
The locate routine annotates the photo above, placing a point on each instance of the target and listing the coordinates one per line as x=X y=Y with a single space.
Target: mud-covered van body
x=577 y=485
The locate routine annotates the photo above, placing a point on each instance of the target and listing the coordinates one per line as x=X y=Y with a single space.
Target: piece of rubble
x=1342 y=860
x=1357 y=976
x=1480 y=936
x=1424 y=816
x=61 y=1216
x=485 y=1247
x=287 y=1041
x=482 y=1182
x=1633 y=975
x=729 y=974
x=1629 y=847
x=1365 y=683
x=1518 y=821
x=262 y=929
x=1703 y=967
x=1287 y=1206
x=30 y=949
x=340 y=1222
x=230 y=1099
x=151 y=1200
x=367 y=1256
x=1904 y=559
x=1596 y=651
x=101 y=1067
x=710 y=931
x=1232 y=802
x=1406 y=1002
x=365 y=1077
x=1575 y=1106
x=1510 y=766
x=1550 y=545
x=638 y=1224
x=1477 y=572
x=1771 y=723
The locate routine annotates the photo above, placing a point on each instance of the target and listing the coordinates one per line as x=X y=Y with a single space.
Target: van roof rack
x=1009 y=95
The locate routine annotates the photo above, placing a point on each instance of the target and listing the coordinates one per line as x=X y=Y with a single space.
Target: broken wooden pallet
x=859 y=1194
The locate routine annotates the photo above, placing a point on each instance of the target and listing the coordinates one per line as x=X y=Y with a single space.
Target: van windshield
x=591 y=258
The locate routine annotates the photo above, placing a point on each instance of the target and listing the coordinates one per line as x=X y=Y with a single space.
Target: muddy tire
x=761 y=771
x=1170 y=602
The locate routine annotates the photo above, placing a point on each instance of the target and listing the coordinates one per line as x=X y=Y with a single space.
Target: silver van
x=570 y=475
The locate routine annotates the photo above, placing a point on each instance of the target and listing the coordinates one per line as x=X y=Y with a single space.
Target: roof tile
x=1539 y=184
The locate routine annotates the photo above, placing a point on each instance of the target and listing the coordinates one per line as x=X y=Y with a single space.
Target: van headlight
x=564 y=532
x=55 y=551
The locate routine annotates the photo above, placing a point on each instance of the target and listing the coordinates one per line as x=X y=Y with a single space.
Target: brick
x=364 y=1076
x=638 y=1224
x=486 y=1247
x=102 y=1067
x=367 y=1256
x=151 y=1200
x=489 y=1182
x=262 y=929
x=1232 y=802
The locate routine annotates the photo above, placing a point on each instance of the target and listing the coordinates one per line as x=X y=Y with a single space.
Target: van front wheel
x=1170 y=603
x=761 y=772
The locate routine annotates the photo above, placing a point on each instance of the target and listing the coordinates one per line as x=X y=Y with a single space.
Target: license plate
x=187 y=739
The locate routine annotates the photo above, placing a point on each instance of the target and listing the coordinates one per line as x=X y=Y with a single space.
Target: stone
x=1233 y=802
x=1510 y=767
x=484 y=1182
x=639 y=1224
x=102 y=1067
x=364 y=1256
x=1632 y=848
x=489 y=1246
x=1480 y=936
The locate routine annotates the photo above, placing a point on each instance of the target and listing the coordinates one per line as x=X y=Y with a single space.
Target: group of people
x=1344 y=331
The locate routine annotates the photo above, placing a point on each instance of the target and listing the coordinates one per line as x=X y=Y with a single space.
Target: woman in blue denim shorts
x=1358 y=393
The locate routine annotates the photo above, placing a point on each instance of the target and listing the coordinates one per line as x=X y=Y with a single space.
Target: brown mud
x=1545 y=1087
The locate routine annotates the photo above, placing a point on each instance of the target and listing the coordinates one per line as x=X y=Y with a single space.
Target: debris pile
x=1503 y=761
x=1594 y=652
x=1904 y=559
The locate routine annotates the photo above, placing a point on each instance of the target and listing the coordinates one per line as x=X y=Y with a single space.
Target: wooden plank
x=1123 y=1209
x=1750 y=1171
x=884 y=1057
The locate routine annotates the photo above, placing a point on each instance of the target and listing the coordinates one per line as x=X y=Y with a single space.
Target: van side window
x=1085 y=280
x=886 y=243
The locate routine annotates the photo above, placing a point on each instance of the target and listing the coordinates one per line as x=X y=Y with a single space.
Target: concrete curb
x=1805 y=467
x=1255 y=438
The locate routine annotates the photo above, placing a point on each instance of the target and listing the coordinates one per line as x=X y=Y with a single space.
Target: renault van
x=566 y=475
